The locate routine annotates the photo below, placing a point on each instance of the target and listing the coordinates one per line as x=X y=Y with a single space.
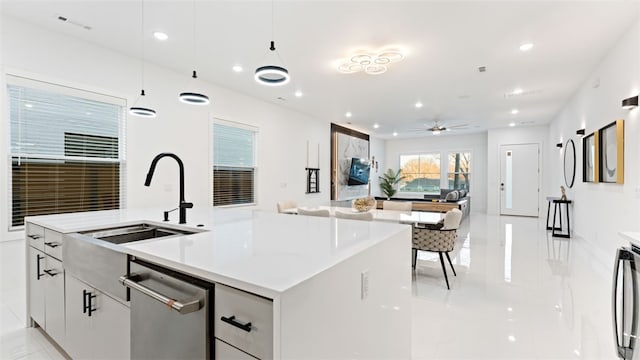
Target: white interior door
x=519 y=179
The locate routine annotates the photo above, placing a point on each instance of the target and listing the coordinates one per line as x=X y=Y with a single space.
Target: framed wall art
x=590 y=158
x=611 y=153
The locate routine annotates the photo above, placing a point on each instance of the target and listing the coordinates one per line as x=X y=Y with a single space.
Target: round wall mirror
x=569 y=163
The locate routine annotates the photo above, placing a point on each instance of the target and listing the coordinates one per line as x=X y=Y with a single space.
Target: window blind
x=66 y=150
x=234 y=165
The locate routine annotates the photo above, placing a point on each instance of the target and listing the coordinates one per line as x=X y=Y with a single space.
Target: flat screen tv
x=359 y=172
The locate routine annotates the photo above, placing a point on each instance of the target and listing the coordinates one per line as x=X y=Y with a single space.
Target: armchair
x=438 y=240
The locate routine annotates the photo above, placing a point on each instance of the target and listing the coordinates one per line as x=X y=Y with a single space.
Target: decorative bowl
x=363 y=204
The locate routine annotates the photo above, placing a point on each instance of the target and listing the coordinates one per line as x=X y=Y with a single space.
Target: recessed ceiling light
x=515 y=111
x=375 y=126
x=526 y=47
x=237 y=68
x=517 y=91
x=298 y=93
x=159 y=35
x=511 y=338
x=419 y=105
x=512 y=124
x=28 y=106
x=348 y=114
x=395 y=133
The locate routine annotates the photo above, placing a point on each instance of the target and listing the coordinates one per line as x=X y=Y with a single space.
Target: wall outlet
x=364 y=284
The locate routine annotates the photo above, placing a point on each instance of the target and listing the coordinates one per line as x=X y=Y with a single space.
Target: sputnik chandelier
x=371 y=62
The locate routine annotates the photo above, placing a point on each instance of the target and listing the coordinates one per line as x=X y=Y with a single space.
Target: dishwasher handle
x=181 y=307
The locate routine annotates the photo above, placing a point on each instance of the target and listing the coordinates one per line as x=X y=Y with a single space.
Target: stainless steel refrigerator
x=625 y=301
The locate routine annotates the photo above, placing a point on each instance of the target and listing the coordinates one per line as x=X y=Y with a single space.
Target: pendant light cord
x=194 y=35
x=142 y=44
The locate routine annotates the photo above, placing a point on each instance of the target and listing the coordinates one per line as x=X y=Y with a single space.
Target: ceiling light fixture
x=237 y=68
x=193 y=97
x=512 y=124
x=515 y=111
x=517 y=91
x=526 y=47
x=419 y=105
x=348 y=114
x=137 y=109
x=272 y=75
x=159 y=35
x=376 y=125
x=395 y=133
x=298 y=93
x=371 y=62
x=436 y=131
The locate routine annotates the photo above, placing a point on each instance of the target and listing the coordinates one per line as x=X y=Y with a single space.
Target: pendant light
x=136 y=109
x=272 y=75
x=193 y=97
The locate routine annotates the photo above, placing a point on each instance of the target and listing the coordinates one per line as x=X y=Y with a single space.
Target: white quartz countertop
x=266 y=253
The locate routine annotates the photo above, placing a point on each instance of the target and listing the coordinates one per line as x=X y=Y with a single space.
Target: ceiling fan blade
x=461 y=126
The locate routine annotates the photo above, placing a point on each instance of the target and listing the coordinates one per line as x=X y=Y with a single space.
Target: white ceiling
x=446 y=42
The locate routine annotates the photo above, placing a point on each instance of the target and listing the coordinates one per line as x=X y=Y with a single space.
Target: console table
x=434 y=206
x=557 y=202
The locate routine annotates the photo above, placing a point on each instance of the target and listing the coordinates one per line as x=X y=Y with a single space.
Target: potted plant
x=389 y=180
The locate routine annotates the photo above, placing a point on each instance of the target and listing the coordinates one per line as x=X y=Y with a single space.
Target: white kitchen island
x=339 y=288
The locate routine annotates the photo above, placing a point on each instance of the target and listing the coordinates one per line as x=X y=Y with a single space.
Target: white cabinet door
x=54 y=299
x=78 y=323
x=111 y=329
x=97 y=325
x=36 y=286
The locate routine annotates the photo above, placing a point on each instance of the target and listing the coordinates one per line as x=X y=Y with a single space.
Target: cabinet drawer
x=35 y=236
x=226 y=351
x=239 y=308
x=53 y=243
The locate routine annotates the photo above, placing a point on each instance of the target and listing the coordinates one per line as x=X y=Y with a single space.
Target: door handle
x=131 y=281
x=38 y=258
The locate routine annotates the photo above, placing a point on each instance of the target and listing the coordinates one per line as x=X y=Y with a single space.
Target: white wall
x=476 y=143
x=185 y=130
x=517 y=135
x=601 y=210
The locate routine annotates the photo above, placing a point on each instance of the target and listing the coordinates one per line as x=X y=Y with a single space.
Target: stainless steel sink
x=137 y=232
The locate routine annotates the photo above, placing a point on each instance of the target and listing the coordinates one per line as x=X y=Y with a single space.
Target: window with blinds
x=234 y=164
x=66 y=150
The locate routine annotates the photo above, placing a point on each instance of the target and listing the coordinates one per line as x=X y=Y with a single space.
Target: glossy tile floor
x=519 y=294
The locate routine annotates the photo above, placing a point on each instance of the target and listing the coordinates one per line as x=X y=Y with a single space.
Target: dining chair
x=314 y=212
x=367 y=216
x=397 y=205
x=441 y=240
x=284 y=205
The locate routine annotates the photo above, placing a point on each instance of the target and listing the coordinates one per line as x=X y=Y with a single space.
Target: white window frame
x=444 y=169
x=256 y=131
x=18 y=78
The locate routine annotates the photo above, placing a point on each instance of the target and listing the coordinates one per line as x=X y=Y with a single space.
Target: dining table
x=396 y=216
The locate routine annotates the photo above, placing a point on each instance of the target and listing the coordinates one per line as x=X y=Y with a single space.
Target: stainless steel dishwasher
x=170 y=313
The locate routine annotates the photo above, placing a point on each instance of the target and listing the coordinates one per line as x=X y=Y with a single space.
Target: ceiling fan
x=437 y=128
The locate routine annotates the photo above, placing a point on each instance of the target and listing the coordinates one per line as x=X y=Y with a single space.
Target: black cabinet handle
x=84 y=301
x=52 y=244
x=51 y=273
x=35 y=236
x=90 y=308
x=38 y=258
x=232 y=320
x=87 y=307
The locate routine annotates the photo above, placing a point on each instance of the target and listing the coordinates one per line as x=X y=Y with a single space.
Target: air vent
x=482 y=69
x=510 y=95
x=73 y=22
x=281 y=98
x=528 y=122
